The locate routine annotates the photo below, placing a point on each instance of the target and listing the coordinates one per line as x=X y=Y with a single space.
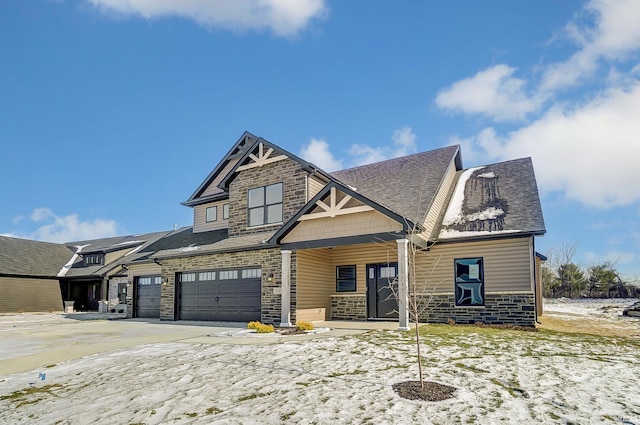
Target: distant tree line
x=561 y=277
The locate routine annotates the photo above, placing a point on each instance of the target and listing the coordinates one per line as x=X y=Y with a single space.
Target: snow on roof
x=454 y=212
x=63 y=271
x=452 y=233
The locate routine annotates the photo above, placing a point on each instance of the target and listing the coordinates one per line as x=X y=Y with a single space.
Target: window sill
x=260 y=226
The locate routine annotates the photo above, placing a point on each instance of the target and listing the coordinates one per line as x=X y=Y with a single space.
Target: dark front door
x=381 y=283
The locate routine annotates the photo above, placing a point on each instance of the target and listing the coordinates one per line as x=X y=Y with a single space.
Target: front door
x=381 y=283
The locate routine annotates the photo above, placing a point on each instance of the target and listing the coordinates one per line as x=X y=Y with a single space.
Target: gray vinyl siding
x=29 y=295
x=200 y=223
x=507 y=265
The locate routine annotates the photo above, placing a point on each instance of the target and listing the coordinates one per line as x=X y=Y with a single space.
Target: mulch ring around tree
x=432 y=391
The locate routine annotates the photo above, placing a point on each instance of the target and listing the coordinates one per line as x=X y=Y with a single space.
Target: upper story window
x=265 y=205
x=212 y=214
x=93 y=259
x=225 y=212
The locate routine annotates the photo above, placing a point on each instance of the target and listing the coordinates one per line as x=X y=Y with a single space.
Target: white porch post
x=285 y=318
x=403 y=285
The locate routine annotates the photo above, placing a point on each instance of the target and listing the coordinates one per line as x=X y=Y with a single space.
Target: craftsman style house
x=279 y=240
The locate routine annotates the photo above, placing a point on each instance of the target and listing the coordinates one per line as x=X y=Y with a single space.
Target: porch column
x=285 y=318
x=403 y=285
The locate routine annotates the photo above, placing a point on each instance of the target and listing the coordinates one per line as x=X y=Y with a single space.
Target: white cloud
x=613 y=36
x=493 y=92
x=68 y=228
x=317 y=152
x=590 y=153
x=41 y=214
x=617 y=258
x=282 y=17
x=404 y=143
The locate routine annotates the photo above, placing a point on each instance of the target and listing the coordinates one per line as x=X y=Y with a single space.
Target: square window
x=212 y=214
x=469 y=281
x=345 y=278
x=265 y=205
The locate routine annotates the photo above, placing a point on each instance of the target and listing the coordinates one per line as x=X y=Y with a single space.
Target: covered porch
x=356 y=282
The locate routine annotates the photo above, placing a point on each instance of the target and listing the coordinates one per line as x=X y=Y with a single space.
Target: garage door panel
x=221 y=300
x=148 y=297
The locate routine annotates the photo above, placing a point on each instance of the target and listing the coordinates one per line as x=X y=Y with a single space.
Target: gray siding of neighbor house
x=200 y=223
x=21 y=294
x=270 y=260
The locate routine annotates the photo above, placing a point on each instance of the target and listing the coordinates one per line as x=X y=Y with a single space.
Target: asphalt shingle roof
x=25 y=257
x=405 y=185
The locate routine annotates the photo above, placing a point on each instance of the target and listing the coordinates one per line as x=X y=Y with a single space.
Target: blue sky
x=112 y=112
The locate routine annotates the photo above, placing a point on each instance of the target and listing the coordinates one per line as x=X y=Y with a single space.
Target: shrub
x=261 y=328
x=304 y=326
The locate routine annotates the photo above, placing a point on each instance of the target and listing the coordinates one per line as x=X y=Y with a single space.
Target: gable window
x=265 y=205
x=225 y=212
x=345 y=278
x=212 y=214
x=93 y=259
x=469 y=281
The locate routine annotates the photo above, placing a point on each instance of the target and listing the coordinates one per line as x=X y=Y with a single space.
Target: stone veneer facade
x=508 y=308
x=270 y=260
x=349 y=307
x=294 y=183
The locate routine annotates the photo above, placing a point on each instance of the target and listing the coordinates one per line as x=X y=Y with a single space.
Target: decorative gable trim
x=334 y=209
x=263 y=158
x=267 y=153
x=237 y=150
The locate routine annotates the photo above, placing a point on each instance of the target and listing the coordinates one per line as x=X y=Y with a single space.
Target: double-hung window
x=265 y=205
x=212 y=214
x=345 y=278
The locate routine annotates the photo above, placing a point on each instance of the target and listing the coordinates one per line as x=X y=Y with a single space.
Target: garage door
x=221 y=295
x=148 y=296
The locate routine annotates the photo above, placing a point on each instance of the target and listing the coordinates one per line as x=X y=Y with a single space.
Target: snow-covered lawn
x=501 y=376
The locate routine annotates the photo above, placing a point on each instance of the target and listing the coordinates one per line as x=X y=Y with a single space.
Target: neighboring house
x=29 y=275
x=286 y=241
x=97 y=274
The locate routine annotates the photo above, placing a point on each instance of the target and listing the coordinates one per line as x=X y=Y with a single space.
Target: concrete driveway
x=31 y=341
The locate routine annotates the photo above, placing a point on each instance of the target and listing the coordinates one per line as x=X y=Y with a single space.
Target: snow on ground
x=501 y=376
